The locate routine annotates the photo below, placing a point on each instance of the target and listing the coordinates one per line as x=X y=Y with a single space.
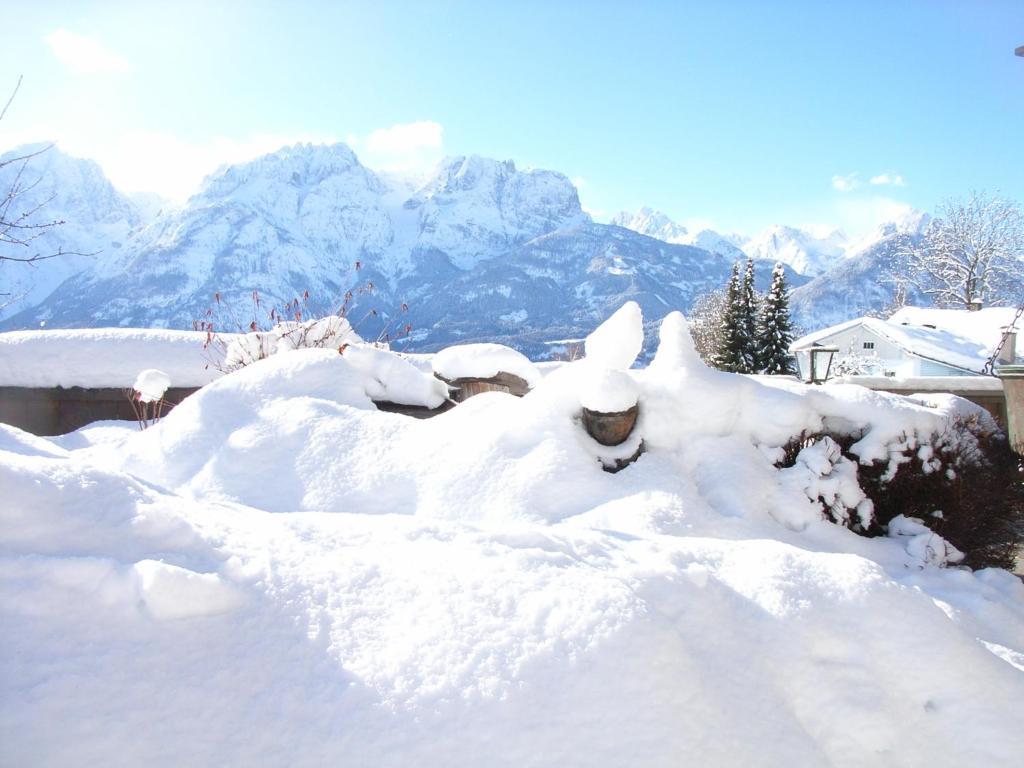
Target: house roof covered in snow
x=954 y=337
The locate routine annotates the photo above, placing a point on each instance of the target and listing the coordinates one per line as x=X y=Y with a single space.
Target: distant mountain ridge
x=478 y=250
x=656 y=224
x=805 y=252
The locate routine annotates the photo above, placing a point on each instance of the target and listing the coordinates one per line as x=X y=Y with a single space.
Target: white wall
x=886 y=358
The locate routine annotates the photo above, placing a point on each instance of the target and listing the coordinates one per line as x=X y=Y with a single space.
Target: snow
x=484 y=361
x=389 y=377
x=103 y=357
x=982 y=329
x=616 y=343
x=922 y=543
x=151 y=384
x=609 y=392
x=979 y=384
x=278 y=573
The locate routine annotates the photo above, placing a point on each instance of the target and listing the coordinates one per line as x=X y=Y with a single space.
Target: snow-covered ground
x=279 y=574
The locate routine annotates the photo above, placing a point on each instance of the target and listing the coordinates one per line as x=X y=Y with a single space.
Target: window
x=869 y=345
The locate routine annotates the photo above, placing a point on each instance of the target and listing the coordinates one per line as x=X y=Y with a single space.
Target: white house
x=916 y=342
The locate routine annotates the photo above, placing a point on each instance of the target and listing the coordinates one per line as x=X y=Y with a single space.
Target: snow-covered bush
x=323 y=333
x=300 y=323
x=822 y=471
x=962 y=485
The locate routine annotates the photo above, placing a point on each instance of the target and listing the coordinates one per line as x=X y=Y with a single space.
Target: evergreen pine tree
x=731 y=355
x=775 y=329
x=748 y=322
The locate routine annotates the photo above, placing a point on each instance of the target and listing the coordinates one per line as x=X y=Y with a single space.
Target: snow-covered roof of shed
x=954 y=337
x=103 y=357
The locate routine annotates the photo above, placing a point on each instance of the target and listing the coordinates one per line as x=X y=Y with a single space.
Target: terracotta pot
x=610 y=428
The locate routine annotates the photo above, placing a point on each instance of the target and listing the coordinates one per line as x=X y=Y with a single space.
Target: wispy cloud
x=846 y=183
x=852 y=181
x=174 y=167
x=403 y=147
x=85 y=55
x=889 y=179
x=144 y=161
x=858 y=215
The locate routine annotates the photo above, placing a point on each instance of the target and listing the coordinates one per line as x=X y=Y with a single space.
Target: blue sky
x=732 y=114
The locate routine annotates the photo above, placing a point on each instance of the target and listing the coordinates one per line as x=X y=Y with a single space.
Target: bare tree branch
x=20 y=216
x=10 y=98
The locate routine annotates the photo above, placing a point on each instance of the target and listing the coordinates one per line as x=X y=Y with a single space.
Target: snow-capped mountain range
x=659 y=226
x=808 y=252
x=480 y=250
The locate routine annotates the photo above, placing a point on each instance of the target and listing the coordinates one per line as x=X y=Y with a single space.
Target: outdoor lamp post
x=821 y=362
x=815 y=362
x=1012 y=377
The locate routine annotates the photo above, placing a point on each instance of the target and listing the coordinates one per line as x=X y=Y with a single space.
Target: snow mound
x=389 y=377
x=476 y=584
x=170 y=592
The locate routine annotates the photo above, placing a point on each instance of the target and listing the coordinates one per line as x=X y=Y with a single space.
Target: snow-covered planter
x=469 y=369
x=609 y=395
x=610 y=406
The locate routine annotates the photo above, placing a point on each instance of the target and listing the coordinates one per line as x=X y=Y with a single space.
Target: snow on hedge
x=278 y=573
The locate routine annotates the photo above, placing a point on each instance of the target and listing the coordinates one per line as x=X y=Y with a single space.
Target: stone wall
x=57 y=411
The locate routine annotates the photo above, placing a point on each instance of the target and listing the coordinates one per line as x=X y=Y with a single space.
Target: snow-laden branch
x=973 y=250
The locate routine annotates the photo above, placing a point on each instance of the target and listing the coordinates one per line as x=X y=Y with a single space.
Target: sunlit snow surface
x=279 y=574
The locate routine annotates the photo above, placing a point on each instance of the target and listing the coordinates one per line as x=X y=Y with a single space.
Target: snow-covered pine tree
x=775 y=329
x=748 y=321
x=731 y=355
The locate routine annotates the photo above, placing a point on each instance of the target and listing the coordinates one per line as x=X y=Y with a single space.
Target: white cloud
x=863 y=215
x=404 y=147
x=846 y=183
x=172 y=167
x=888 y=179
x=85 y=55
x=406 y=137
x=579 y=182
x=137 y=161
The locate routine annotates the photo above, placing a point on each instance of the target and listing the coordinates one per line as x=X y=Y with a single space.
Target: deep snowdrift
x=475 y=590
